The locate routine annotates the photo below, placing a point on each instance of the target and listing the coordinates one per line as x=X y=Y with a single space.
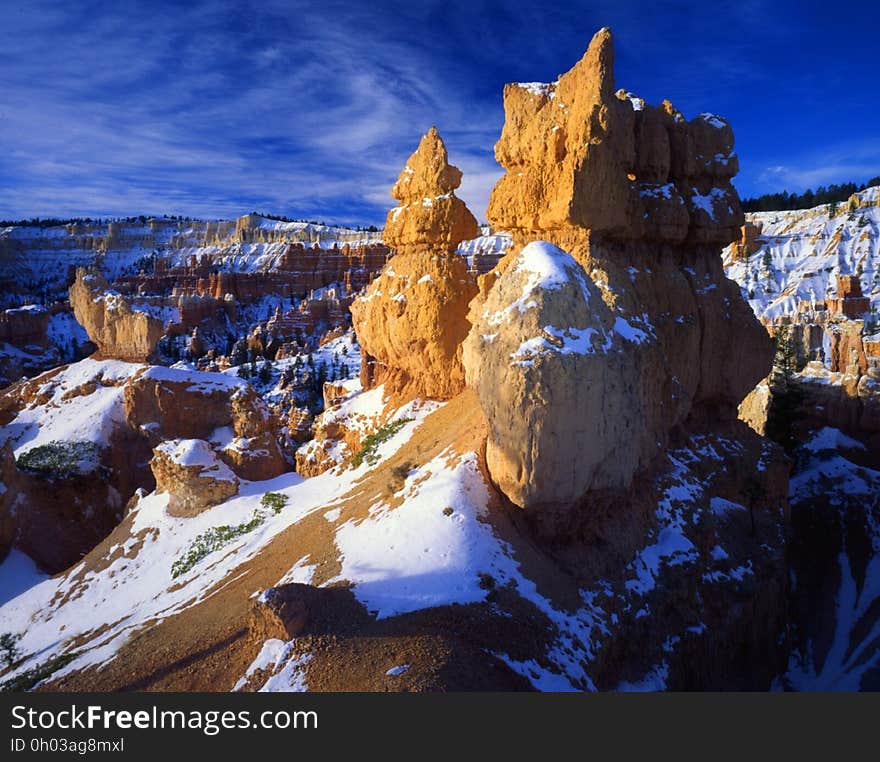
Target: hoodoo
x=413 y=318
x=611 y=321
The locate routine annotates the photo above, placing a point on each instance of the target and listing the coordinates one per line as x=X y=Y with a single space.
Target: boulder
x=193 y=475
x=165 y=403
x=569 y=408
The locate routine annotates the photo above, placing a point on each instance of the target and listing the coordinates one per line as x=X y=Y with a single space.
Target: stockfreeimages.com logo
x=210 y=722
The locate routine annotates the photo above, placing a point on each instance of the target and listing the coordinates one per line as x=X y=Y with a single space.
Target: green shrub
x=274 y=501
x=369 y=447
x=214 y=539
x=9 y=651
x=29 y=678
x=60 y=458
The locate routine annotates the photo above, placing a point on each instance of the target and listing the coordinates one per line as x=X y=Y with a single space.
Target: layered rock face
x=580 y=156
x=413 y=318
x=592 y=344
x=111 y=323
x=164 y=404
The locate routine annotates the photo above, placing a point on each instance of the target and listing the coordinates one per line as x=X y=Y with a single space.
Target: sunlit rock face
x=413 y=318
x=610 y=322
x=119 y=331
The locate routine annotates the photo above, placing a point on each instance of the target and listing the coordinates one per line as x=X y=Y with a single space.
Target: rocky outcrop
x=580 y=156
x=299 y=424
x=749 y=243
x=611 y=322
x=755 y=408
x=845 y=346
x=336 y=434
x=849 y=302
x=108 y=318
x=193 y=476
x=413 y=318
x=848 y=401
x=24 y=343
x=25 y=326
x=163 y=403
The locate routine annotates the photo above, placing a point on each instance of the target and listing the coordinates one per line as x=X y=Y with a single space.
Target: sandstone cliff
x=111 y=323
x=413 y=318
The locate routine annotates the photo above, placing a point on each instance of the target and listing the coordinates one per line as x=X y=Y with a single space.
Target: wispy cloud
x=310 y=108
x=215 y=109
x=854 y=161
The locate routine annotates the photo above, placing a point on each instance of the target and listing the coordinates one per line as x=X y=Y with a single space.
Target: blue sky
x=214 y=108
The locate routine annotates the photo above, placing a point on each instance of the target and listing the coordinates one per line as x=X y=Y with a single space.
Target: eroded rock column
x=413 y=318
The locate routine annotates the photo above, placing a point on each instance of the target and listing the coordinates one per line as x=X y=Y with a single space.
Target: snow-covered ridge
x=38 y=259
x=800 y=254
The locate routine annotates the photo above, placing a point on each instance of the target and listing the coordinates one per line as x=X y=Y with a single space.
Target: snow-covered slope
x=801 y=253
x=62 y=410
x=836 y=569
x=414 y=534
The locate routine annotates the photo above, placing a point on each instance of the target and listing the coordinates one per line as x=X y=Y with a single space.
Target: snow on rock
x=194 y=453
x=94 y=606
x=82 y=402
x=432 y=556
x=542 y=337
x=291 y=678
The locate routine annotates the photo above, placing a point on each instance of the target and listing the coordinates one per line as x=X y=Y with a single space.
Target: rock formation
x=163 y=403
x=413 y=317
x=24 y=344
x=748 y=243
x=195 y=478
x=336 y=434
x=119 y=331
x=610 y=322
x=849 y=301
x=578 y=156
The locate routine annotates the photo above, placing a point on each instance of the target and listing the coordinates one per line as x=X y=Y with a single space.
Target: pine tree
x=787 y=396
x=239 y=354
x=785 y=360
